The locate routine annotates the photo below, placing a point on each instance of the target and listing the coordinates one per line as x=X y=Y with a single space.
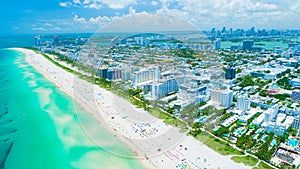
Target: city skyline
x=90 y=16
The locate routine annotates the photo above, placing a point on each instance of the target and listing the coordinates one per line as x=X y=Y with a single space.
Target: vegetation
x=263 y=165
x=264 y=152
x=281 y=97
x=225 y=116
x=263 y=93
x=246 y=141
x=185 y=53
x=253 y=117
x=191 y=111
x=167 y=118
x=196 y=129
x=246 y=81
x=284 y=83
x=221 y=131
x=247 y=160
x=217 y=145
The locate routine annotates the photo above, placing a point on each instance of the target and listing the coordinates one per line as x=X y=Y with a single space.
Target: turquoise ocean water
x=39 y=128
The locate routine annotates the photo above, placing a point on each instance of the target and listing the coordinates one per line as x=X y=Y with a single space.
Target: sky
x=88 y=16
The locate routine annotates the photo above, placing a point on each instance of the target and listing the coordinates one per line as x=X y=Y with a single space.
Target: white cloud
x=65 y=4
x=76 y=1
x=48 y=24
x=93 y=23
x=232 y=13
x=40 y=29
x=86 y=2
x=93 y=6
x=146 y=22
x=154 y=3
x=202 y=13
x=57 y=28
x=79 y=20
x=131 y=11
x=97 y=4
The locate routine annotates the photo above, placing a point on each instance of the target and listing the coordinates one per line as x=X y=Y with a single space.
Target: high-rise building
x=37 y=40
x=222 y=97
x=102 y=72
x=248 y=44
x=126 y=74
x=271 y=113
x=162 y=88
x=217 y=44
x=190 y=92
x=113 y=73
x=149 y=74
x=243 y=102
x=230 y=73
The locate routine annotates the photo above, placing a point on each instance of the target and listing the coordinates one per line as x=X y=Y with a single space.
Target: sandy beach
x=155 y=143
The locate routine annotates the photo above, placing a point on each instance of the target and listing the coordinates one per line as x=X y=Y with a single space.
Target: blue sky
x=62 y=16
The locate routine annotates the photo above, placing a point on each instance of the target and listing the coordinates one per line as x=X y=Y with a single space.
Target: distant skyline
x=77 y=16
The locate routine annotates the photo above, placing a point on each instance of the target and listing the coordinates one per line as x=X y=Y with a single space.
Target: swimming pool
x=240 y=131
x=274 y=86
x=274 y=142
x=259 y=131
x=293 y=142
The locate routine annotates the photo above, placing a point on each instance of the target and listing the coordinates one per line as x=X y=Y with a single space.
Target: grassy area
x=247 y=160
x=217 y=145
x=263 y=165
x=167 y=118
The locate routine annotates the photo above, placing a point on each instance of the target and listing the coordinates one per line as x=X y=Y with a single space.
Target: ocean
x=39 y=128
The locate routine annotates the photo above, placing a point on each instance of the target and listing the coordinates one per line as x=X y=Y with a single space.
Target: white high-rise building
x=268 y=116
x=149 y=74
x=243 y=102
x=190 y=92
x=162 y=88
x=271 y=113
x=217 y=44
x=223 y=97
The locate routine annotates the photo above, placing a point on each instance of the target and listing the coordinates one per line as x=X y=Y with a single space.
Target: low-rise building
x=296 y=95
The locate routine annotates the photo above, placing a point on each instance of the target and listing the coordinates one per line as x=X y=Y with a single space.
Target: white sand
x=163 y=145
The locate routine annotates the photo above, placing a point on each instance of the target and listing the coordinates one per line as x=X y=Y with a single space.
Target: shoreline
x=86 y=107
x=105 y=107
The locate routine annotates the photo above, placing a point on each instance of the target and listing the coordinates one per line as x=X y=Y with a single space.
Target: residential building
x=149 y=74
x=279 y=128
x=102 y=72
x=243 y=102
x=113 y=73
x=217 y=44
x=271 y=113
x=191 y=93
x=296 y=122
x=162 y=88
x=126 y=74
x=295 y=82
x=296 y=95
x=222 y=97
x=230 y=73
